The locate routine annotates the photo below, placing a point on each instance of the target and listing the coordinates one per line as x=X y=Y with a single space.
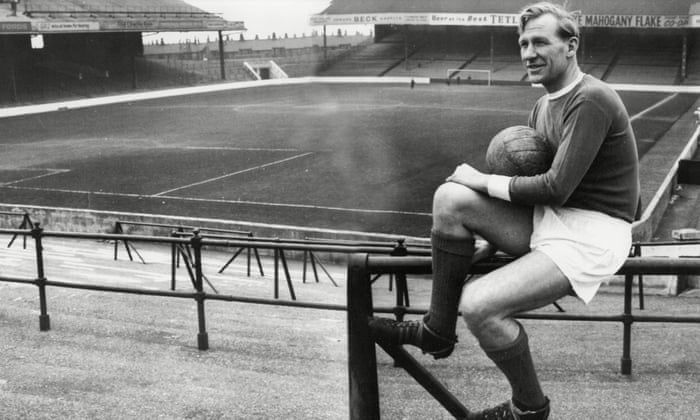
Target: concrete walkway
x=118 y=356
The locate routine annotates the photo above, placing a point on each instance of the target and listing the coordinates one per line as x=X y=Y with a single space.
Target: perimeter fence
x=190 y=246
x=362 y=362
x=368 y=261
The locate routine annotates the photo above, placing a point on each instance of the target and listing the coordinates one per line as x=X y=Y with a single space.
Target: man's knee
x=477 y=313
x=452 y=203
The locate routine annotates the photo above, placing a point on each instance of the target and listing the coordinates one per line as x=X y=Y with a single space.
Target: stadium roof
x=601 y=13
x=648 y=7
x=69 y=16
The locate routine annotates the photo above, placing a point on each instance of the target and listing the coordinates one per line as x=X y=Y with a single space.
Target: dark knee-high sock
x=452 y=258
x=515 y=361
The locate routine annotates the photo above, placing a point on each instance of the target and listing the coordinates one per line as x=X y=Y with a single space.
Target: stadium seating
x=630 y=58
x=372 y=60
x=616 y=56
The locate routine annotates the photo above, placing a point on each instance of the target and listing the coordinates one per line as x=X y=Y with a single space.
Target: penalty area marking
x=277 y=162
x=50 y=172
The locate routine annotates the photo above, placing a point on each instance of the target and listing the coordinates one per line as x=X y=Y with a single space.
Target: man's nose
x=527 y=52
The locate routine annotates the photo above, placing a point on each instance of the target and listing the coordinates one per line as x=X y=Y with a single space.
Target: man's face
x=544 y=54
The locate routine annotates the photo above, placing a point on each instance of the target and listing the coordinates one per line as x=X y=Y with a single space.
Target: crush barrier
x=26 y=223
x=182 y=252
x=397 y=247
x=362 y=361
x=195 y=243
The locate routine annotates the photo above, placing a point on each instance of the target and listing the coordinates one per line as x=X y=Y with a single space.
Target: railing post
x=26 y=223
x=401 y=283
x=117 y=230
x=362 y=357
x=248 y=256
x=640 y=277
x=202 y=336
x=303 y=267
x=626 y=360
x=174 y=260
x=44 y=319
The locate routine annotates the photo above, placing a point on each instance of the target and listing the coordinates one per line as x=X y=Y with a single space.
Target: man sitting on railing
x=570 y=227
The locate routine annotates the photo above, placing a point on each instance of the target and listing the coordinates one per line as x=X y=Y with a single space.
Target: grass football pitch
x=347 y=157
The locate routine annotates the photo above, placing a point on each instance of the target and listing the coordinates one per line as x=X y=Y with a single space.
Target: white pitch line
x=236 y=149
x=277 y=162
x=210 y=200
x=297 y=206
x=63 y=190
x=29 y=178
x=656 y=105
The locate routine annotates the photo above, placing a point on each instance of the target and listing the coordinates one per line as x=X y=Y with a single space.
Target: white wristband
x=499 y=187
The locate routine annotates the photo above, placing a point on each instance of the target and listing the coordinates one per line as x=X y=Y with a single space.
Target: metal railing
x=367 y=260
x=26 y=223
x=195 y=243
x=362 y=362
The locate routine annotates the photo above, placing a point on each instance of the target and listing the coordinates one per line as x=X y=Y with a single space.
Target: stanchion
x=401 y=283
x=202 y=336
x=637 y=252
x=44 y=320
x=279 y=257
x=248 y=258
x=313 y=259
x=174 y=261
x=25 y=224
x=118 y=229
x=362 y=357
x=627 y=320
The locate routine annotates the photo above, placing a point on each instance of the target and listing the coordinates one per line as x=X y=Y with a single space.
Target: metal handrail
x=362 y=363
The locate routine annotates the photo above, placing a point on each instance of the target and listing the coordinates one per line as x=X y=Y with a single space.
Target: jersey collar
x=563 y=91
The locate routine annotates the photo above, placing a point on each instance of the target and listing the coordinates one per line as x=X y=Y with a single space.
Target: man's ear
x=572 y=46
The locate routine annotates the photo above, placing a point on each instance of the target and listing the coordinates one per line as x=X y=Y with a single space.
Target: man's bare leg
x=458 y=213
x=488 y=306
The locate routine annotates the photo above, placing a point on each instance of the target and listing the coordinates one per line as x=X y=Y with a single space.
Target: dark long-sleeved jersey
x=596 y=166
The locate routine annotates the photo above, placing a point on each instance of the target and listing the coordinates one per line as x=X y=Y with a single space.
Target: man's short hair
x=568 y=27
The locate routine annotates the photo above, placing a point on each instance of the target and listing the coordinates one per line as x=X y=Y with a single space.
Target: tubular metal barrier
x=189 y=248
x=26 y=223
x=362 y=361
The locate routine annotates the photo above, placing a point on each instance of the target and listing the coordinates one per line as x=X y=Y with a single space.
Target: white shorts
x=587 y=246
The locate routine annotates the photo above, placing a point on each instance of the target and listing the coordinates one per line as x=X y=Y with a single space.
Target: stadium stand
x=374 y=60
x=127 y=8
x=648 y=42
x=87 y=48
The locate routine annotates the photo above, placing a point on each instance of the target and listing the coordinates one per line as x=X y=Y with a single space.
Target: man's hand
x=469 y=177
